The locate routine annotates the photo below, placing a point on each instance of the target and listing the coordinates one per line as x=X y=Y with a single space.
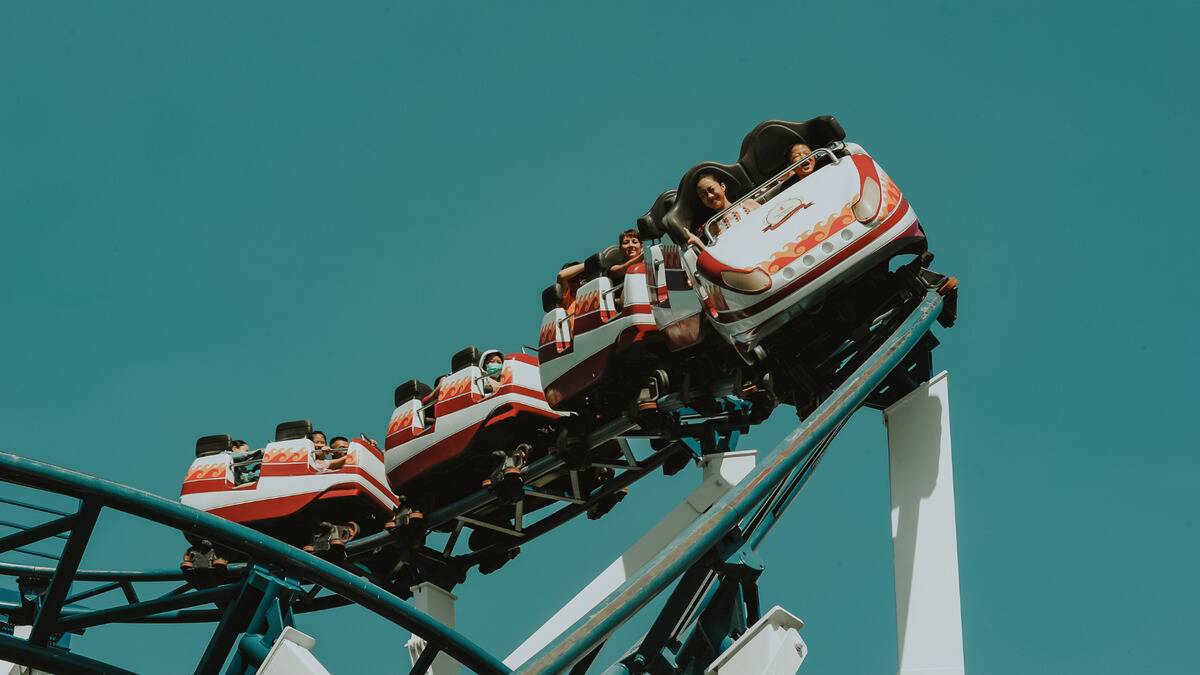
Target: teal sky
x=214 y=218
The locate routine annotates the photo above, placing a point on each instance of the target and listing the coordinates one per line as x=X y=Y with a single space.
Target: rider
x=794 y=154
x=247 y=465
x=568 y=282
x=631 y=248
x=712 y=195
x=333 y=457
x=492 y=365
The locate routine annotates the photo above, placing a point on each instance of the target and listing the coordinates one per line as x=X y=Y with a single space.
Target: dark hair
x=314 y=432
x=709 y=174
x=239 y=443
x=339 y=438
x=627 y=233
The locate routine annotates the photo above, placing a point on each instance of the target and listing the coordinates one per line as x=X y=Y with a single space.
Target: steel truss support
x=283 y=561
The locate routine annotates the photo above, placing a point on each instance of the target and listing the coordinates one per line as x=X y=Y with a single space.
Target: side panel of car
x=416 y=443
x=291 y=476
x=600 y=328
x=675 y=304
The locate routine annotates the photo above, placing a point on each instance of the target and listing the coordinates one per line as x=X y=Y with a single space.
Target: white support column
x=721 y=473
x=439 y=604
x=924 y=535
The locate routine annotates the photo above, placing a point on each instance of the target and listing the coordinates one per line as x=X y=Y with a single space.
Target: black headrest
x=466 y=357
x=688 y=211
x=764 y=150
x=649 y=225
x=611 y=256
x=409 y=390
x=291 y=431
x=211 y=445
x=592 y=268
x=551 y=298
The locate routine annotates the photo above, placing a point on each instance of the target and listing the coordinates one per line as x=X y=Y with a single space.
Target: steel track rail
x=725 y=515
x=264 y=549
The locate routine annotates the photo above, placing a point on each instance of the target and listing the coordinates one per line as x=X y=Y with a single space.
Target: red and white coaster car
x=442 y=444
x=762 y=266
x=290 y=490
x=575 y=349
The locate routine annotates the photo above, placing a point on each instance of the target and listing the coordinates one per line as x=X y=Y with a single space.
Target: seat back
x=287 y=431
x=408 y=417
x=465 y=357
x=551 y=297
x=596 y=304
x=458 y=390
x=649 y=224
x=211 y=445
x=410 y=389
x=555 y=334
x=764 y=151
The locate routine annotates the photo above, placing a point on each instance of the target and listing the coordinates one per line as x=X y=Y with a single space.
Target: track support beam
x=924 y=531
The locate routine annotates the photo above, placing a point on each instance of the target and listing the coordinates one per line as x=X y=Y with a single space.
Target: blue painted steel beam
x=151 y=574
x=53 y=659
x=267 y=550
x=60 y=584
x=728 y=511
x=35 y=507
x=19 y=526
x=75 y=621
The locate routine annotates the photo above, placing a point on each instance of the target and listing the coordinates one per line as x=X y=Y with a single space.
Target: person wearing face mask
x=492 y=365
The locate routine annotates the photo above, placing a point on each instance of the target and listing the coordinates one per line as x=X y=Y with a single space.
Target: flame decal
x=402 y=421
x=205 y=471
x=456 y=388
x=793 y=250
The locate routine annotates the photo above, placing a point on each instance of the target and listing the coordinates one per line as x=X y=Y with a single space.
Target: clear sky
x=217 y=217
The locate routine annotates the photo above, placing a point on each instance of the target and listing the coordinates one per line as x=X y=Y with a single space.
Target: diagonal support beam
x=36 y=533
x=138 y=610
x=64 y=574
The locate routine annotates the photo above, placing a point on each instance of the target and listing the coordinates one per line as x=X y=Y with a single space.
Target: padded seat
x=212 y=445
x=764 y=150
x=649 y=225
x=409 y=390
x=466 y=357
x=551 y=298
x=291 y=431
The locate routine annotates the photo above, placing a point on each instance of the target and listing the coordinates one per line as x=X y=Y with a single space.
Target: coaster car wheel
x=407 y=525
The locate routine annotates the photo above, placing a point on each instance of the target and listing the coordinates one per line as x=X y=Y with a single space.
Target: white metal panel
x=924 y=534
x=291 y=655
x=438 y=603
x=772 y=646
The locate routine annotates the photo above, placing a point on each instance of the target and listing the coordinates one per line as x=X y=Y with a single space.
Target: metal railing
x=712 y=228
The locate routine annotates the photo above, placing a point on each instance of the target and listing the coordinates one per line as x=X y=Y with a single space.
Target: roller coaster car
x=472 y=431
x=289 y=490
x=809 y=235
x=627 y=346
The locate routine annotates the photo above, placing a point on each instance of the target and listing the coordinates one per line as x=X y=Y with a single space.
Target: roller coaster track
x=254 y=600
